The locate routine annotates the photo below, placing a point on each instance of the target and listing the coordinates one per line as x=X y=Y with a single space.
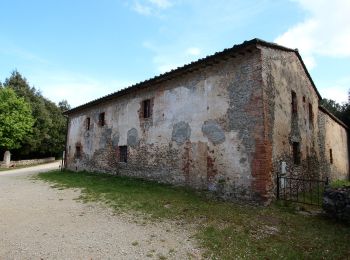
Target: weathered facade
x=224 y=123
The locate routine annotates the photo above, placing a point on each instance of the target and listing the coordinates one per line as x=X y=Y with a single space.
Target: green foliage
x=340 y=111
x=16 y=119
x=48 y=133
x=226 y=230
x=340 y=184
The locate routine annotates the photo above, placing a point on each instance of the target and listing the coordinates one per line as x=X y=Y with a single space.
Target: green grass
x=340 y=183
x=225 y=230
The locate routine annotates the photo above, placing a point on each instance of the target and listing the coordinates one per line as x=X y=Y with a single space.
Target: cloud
x=168 y=57
x=11 y=49
x=151 y=7
x=142 y=9
x=324 y=32
x=338 y=91
x=163 y=4
x=193 y=51
x=76 y=88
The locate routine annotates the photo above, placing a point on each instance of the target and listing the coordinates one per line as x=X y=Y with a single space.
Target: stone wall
x=31 y=162
x=225 y=125
x=333 y=147
x=206 y=131
x=336 y=203
x=291 y=128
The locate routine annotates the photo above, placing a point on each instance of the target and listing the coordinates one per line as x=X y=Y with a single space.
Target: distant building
x=223 y=123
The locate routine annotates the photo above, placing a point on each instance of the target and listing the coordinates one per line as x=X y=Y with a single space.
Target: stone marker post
x=7 y=159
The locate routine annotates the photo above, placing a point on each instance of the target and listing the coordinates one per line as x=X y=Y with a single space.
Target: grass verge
x=340 y=183
x=226 y=230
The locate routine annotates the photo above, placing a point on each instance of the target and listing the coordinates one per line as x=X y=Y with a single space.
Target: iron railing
x=307 y=191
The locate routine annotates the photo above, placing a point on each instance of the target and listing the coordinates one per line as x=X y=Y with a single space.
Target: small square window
x=146 y=108
x=87 y=123
x=101 y=119
x=123 y=153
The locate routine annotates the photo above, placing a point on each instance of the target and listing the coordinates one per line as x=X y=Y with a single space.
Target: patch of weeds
x=340 y=184
x=162 y=257
x=135 y=243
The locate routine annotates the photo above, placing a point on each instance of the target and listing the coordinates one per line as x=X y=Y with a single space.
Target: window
x=123 y=154
x=77 y=151
x=294 y=103
x=311 y=115
x=146 y=108
x=101 y=119
x=87 y=123
x=330 y=156
x=296 y=153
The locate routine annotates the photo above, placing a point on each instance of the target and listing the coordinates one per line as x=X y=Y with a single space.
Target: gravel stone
x=40 y=222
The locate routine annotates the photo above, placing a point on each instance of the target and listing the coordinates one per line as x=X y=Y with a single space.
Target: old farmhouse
x=224 y=123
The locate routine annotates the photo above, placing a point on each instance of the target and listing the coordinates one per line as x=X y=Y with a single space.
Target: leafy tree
x=16 y=119
x=48 y=134
x=63 y=105
x=340 y=111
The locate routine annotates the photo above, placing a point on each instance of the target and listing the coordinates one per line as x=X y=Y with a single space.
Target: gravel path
x=39 y=222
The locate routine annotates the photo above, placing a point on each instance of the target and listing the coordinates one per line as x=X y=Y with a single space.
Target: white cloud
x=325 y=31
x=338 y=91
x=168 y=57
x=151 y=7
x=77 y=89
x=163 y=4
x=142 y=9
x=193 y=51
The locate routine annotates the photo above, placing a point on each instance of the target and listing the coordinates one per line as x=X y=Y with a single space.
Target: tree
x=340 y=111
x=48 y=135
x=63 y=105
x=16 y=119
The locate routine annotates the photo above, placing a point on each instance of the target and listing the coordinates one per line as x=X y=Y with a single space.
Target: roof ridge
x=162 y=76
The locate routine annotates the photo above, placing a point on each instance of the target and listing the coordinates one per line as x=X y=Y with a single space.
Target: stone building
x=224 y=123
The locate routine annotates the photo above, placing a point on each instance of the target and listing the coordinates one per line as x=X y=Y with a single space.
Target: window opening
x=296 y=153
x=78 y=151
x=294 y=103
x=101 y=119
x=311 y=115
x=123 y=153
x=147 y=108
x=88 y=123
x=331 y=156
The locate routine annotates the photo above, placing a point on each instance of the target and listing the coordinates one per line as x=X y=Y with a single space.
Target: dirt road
x=40 y=222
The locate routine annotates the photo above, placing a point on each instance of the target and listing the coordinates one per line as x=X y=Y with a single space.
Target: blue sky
x=80 y=50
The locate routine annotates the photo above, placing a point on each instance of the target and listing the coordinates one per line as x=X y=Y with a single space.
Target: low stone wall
x=30 y=162
x=336 y=203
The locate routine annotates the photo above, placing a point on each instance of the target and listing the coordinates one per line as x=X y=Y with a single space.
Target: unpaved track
x=40 y=222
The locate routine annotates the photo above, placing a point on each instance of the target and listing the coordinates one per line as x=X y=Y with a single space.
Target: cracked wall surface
x=201 y=133
x=316 y=134
x=224 y=127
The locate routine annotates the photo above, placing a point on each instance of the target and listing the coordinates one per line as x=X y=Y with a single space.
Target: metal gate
x=307 y=191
